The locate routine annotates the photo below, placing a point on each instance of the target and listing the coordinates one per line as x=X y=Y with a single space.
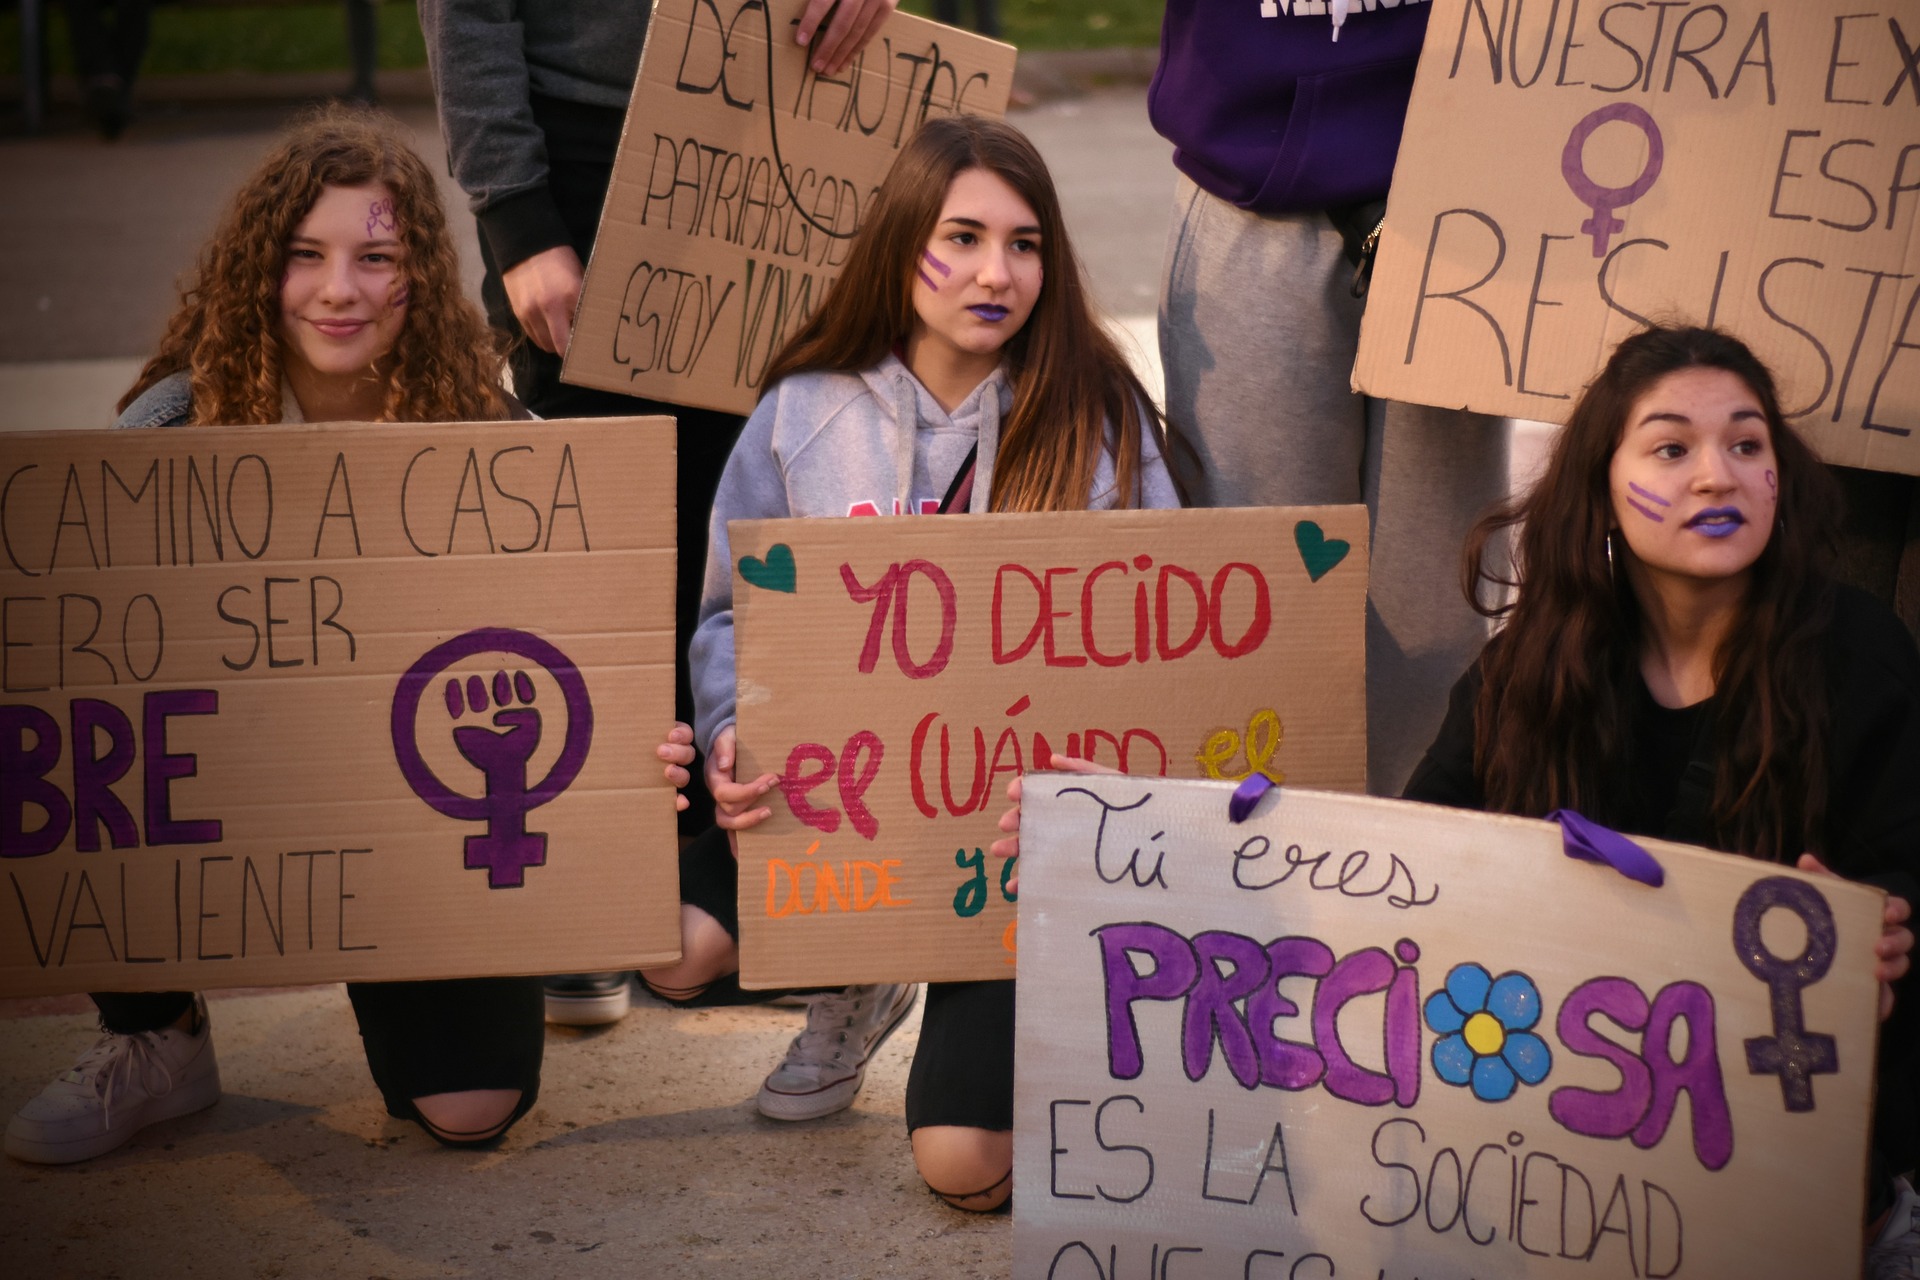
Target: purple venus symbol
x=1604 y=200
x=500 y=753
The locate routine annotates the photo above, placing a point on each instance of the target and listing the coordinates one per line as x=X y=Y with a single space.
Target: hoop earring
x=1611 y=576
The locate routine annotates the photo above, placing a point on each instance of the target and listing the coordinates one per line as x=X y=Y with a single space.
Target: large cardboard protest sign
x=1353 y=1036
x=898 y=675
x=741 y=178
x=1571 y=170
x=307 y=703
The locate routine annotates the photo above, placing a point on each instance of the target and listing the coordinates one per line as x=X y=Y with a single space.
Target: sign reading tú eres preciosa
x=1350 y=1036
x=307 y=703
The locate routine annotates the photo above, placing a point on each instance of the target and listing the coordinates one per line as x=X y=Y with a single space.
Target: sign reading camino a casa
x=299 y=704
x=1360 y=1037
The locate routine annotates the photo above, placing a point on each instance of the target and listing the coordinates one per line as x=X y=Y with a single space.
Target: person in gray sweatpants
x=1284 y=135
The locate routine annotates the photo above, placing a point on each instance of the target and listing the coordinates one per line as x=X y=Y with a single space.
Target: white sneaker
x=827 y=1062
x=1896 y=1254
x=120 y=1086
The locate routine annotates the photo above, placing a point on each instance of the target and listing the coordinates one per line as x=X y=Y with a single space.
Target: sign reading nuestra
x=1570 y=172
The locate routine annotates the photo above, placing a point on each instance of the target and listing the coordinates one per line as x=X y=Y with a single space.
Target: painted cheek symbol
x=1650 y=496
x=937 y=265
x=380 y=216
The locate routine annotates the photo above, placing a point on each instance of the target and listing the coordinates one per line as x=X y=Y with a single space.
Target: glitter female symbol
x=1604 y=200
x=506 y=848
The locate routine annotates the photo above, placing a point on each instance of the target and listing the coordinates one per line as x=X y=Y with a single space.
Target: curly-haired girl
x=330 y=291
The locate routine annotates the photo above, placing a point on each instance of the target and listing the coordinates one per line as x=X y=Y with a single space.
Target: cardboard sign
x=300 y=704
x=898 y=675
x=741 y=179
x=1569 y=170
x=1360 y=1037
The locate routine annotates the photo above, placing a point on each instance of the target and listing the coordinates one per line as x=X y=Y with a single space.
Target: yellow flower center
x=1485 y=1036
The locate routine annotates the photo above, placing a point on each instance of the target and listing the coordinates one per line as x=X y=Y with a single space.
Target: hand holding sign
x=736 y=805
x=1896 y=940
x=1009 y=848
x=852 y=24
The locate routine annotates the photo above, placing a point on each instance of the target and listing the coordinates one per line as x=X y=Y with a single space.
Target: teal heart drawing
x=1317 y=551
x=776 y=572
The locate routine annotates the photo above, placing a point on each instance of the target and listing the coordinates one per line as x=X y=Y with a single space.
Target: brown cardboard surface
x=740 y=181
x=1567 y=170
x=897 y=674
x=1175 y=1099
x=254 y=627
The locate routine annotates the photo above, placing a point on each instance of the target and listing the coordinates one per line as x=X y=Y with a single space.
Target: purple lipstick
x=989 y=312
x=1717 y=522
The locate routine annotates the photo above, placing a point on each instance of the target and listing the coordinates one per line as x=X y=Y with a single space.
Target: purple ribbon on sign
x=1247 y=795
x=1592 y=842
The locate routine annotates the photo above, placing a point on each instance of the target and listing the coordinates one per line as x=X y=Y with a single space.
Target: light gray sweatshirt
x=837 y=444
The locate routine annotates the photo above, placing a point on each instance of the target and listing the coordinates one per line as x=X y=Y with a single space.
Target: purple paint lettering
x=1231 y=969
x=1286 y=1064
x=380 y=216
x=1172 y=975
x=93 y=776
x=1361 y=973
x=1697 y=1073
x=1589 y=1111
x=163 y=767
x=23 y=782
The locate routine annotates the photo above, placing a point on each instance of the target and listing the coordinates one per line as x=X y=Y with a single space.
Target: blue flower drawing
x=1486 y=1037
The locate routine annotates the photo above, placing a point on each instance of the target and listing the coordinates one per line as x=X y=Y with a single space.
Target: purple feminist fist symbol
x=1604 y=200
x=501 y=753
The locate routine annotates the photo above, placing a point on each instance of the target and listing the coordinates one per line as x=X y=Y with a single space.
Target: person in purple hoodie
x=1285 y=117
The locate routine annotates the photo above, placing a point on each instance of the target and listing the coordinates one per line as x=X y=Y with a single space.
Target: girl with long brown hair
x=956 y=366
x=330 y=291
x=1677 y=661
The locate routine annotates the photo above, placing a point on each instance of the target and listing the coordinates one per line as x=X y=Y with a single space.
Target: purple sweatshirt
x=1265 y=109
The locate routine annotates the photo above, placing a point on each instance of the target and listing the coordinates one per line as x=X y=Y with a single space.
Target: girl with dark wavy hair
x=957 y=366
x=330 y=291
x=1676 y=661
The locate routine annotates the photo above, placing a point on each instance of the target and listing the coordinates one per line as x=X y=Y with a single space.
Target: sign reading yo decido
x=301 y=704
x=897 y=673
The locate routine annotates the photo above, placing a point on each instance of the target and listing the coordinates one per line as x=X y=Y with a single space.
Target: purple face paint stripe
x=927 y=280
x=1648 y=512
x=1648 y=495
x=936 y=264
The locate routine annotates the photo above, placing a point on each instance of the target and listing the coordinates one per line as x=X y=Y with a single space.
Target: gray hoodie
x=838 y=444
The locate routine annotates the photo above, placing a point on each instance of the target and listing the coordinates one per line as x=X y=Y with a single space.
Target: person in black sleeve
x=1678 y=662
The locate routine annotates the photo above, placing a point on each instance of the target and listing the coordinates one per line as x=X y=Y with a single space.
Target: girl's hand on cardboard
x=1009 y=847
x=1894 y=945
x=678 y=752
x=736 y=805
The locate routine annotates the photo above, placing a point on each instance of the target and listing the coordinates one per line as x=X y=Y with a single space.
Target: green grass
x=313 y=37
x=308 y=37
